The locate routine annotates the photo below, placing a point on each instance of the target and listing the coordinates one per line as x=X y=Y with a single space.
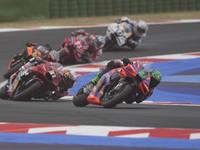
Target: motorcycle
x=21 y=59
x=117 y=35
x=75 y=50
x=34 y=82
x=130 y=79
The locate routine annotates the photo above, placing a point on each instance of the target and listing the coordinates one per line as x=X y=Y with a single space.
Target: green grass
x=100 y=20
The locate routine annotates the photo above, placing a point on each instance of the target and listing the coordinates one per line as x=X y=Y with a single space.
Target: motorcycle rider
x=45 y=52
x=155 y=78
x=68 y=78
x=96 y=43
x=139 y=30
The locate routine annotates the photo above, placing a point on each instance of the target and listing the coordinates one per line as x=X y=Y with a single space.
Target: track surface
x=161 y=39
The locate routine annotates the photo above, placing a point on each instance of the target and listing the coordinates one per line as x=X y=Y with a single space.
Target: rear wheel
x=13 y=70
x=25 y=92
x=118 y=97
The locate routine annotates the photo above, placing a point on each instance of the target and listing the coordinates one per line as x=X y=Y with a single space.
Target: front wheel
x=80 y=99
x=62 y=55
x=3 y=93
x=109 y=45
x=118 y=97
x=13 y=70
x=25 y=92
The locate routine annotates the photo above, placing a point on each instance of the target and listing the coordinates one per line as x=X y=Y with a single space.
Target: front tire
x=80 y=99
x=63 y=55
x=27 y=92
x=3 y=93
x=109 y=46
x=13 y=70
x=118 y=97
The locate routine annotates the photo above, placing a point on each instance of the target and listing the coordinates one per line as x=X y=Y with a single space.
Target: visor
x=141 y=30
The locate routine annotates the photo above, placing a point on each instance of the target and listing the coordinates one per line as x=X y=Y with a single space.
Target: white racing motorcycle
x=117 y=35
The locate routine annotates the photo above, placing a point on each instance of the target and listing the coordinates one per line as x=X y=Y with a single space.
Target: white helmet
x=141 y=28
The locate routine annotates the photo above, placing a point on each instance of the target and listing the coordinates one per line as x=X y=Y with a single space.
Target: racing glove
x=126 y=61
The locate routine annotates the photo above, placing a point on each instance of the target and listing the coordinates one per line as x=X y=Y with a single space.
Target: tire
x=118 y=97
x=13 y=70
x=3 y=93
x=62 y=55
x=132 y=46
x=109 y=46
x=80 y=99
x=27 y=93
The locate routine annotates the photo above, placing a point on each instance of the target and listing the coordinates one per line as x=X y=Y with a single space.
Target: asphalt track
x=161 y=39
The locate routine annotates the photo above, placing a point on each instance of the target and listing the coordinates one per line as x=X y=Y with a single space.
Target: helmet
x=155 y=77
x=44 y=51
x=69 y=78
x=53 y=56
x=36 y=54
x=99 y=42
x=41 y=49
x=141 y=28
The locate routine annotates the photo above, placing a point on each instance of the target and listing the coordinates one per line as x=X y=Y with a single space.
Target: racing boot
x=89 y=86
x=47 y=95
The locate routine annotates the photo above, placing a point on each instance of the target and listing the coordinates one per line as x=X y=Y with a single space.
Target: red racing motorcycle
x=34 y=82
x=76 y=49
x=116 y=86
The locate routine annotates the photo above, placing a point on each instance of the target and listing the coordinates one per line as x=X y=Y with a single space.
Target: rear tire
x=80 y=99
x=119 y=97
x=28 y=92
x=13 y=70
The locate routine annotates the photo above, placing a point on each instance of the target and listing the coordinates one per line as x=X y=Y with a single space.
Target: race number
x=52 y=73
x=142 y=73
x=78 y=44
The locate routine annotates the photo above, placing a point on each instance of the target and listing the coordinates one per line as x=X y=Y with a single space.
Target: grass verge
x=100 y=20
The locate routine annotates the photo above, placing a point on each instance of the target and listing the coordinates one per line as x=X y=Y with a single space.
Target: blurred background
x=22 y=10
